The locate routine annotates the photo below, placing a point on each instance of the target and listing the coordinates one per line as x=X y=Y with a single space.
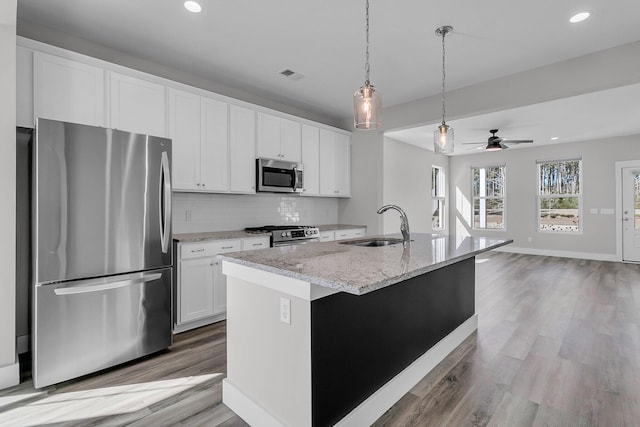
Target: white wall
x=220 y=212
x=407 y=183
x=366 y=182
x=9 y=371
x=598 y=237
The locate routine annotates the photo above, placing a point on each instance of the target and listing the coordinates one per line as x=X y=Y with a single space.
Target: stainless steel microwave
x=277 y=176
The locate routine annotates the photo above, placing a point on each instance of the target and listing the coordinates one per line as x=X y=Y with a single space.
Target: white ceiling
x=245 y=44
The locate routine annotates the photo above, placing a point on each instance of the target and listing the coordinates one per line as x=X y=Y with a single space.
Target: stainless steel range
x=288 y=235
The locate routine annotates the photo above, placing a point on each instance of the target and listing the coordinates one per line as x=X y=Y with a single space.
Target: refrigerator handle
x=165 y=203
x=87 y=286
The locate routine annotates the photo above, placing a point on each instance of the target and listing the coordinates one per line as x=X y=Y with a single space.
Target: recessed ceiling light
x=553 y=138
x=192 y=6
x=579 y=17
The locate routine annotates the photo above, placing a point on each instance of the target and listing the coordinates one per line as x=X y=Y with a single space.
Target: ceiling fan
x=495 y=143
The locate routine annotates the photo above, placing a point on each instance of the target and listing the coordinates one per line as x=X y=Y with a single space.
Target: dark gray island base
x=303 y=354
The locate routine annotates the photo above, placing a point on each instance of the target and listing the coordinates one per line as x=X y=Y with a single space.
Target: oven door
x=295 y=242
x=277 y=176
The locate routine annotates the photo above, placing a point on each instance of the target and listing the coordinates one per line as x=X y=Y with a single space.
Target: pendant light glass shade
x=443 y=135
x=443 y=139
x=367 y=106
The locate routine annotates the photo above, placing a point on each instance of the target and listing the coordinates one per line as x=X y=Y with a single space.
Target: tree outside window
x=559 y=195
x=437 y=198
x=488 y=197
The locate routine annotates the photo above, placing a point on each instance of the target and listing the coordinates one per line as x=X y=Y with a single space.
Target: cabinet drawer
x=326 y=236
x=197 y=250
x=256 y=243
x=353 y=233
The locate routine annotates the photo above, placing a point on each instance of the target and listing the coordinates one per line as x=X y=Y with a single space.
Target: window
x=437 y=198
x=488 y=197
x=559 y=195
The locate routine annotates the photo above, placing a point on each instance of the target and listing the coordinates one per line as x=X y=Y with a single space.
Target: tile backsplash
x=196 y=212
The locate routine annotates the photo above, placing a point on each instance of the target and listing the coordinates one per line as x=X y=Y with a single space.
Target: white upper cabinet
x=335 y=164
x=278 y=138
x=311 y=160
x=214 y=151
x=24 y=87
x=185 y=133
x=198 y=129
x=242 y=149
x=67 y=90
x=137 y=105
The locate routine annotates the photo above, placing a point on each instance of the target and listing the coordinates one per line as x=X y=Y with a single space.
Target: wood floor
x=558 y=344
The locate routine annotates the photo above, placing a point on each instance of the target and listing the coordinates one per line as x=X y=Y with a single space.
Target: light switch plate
x=593 y=211
x=606 y=211
x=285 y=310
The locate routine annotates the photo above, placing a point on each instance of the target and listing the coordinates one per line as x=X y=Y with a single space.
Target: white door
x=631 y=214
x=327 y=163
x=343 y=165
x=290 y=141
x=269 y=134
x=197 y=278
x=215 y=152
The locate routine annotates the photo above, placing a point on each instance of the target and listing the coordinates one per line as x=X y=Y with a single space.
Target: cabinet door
x=311 y=160
x=327 y=236
x=67 y=90
x=343 y=165
x=137 y=105
x=219 y=289
x=185 y=132
x=215 y=146
x=197 y=278
x=242 y=146
x=290 y=144
x=269 y=135
x=327 y=163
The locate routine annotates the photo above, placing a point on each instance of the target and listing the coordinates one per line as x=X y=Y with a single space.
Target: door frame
x=619 y=238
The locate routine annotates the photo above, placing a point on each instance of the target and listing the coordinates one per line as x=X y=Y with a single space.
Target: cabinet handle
x=227 y=247
x=193 y=251
x=258 y=244
x=211 y=264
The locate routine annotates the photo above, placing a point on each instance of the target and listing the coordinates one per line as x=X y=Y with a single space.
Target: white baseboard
x=252 y=413
x=375 y=405
x=9 y=375
x=560 y=254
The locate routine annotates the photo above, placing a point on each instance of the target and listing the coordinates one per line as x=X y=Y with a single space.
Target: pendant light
x=443 y=135
x=366 y=100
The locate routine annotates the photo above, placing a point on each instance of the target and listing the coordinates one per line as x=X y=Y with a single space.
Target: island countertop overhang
x=360 y=270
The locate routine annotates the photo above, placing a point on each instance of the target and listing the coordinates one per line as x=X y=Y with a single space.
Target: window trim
x=503 y=198
x=566 y=195
x=443 y=227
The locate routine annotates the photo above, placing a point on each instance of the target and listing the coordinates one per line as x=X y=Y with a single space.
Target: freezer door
x=88 y=325
x=101 y=202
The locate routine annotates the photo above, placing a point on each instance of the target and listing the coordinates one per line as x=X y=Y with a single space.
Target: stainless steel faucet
x=404 y=225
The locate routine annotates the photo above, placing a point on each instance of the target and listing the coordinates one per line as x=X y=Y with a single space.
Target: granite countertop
x=359 y=270
x=241 y=234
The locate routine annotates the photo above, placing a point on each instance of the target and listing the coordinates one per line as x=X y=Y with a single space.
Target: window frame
x=442 y=198
x=503 y=197
x=557 y=196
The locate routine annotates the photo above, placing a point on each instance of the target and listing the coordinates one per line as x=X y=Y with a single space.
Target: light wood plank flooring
x=558 y=344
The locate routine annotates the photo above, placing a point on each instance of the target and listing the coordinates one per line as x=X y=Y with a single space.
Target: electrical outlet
x=529 y=239
x=285 y=310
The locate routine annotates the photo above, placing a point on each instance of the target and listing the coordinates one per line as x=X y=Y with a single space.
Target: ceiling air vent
x=291 y=74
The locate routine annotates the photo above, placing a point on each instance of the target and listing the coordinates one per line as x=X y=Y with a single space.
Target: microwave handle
x=295 y=178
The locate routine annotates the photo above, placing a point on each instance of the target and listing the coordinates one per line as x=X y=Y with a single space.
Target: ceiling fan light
x=443 y=139
x=493 y=146
x=367 y=107
x=579 y=17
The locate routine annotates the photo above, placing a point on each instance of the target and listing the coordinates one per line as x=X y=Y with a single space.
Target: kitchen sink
x=375 y=242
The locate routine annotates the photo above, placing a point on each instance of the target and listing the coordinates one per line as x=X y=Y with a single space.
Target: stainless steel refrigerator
x=102 y=252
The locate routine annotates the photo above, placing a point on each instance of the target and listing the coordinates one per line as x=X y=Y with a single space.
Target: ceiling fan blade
x=503 y=146
x=470 y=143
x=517 y=141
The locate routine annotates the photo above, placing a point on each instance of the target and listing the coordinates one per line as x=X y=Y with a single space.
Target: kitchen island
x=334 y=333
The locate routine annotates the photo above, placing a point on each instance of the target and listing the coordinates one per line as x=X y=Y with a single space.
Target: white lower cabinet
x=200 y=286
x=327 y=236
x=352 y=233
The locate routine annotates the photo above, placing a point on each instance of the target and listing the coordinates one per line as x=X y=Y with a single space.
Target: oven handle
x=296 y=242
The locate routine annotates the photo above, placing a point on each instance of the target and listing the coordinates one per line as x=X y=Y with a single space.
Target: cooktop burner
x=269 y=228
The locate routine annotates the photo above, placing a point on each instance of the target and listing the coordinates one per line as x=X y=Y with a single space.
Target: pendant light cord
x=366 y=65
x=444 y=33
